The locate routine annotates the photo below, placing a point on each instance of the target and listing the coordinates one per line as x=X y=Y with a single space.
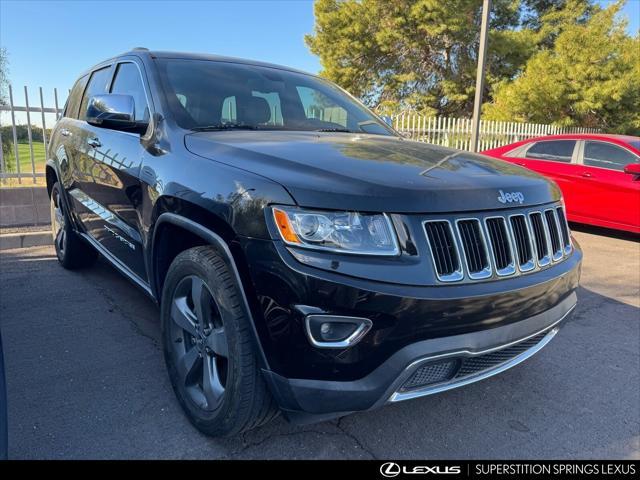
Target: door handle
x=94 y=142
x=586 y=175
x=65 y=133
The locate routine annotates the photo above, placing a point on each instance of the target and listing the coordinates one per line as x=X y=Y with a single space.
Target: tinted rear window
x=71 y=110
x=553 y=150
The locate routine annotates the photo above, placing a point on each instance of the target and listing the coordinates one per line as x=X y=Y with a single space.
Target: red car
x=599 y=174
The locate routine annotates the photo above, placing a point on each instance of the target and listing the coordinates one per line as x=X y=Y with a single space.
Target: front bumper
x=412 y=328
x=309 y=400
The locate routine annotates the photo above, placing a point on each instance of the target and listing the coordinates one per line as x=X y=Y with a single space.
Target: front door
x=107 y=168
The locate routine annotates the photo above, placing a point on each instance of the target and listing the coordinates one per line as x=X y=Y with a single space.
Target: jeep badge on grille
x=510 y=197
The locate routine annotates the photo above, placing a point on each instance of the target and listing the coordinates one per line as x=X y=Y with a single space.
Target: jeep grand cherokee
x=307 y=259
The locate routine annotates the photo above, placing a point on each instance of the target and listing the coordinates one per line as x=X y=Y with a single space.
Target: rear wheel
x=208 y=347
x=71 y=250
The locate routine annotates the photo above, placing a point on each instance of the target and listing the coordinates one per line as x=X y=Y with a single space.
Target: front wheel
x=208 y=346
x=71 y=250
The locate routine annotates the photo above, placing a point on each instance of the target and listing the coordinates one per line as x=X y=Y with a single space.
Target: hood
x=375 y=173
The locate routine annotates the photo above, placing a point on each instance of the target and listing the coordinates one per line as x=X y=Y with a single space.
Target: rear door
x=613 y=196
x=62 y=141
x=556 y=160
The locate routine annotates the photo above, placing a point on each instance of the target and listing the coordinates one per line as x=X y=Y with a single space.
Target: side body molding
x=219 y=244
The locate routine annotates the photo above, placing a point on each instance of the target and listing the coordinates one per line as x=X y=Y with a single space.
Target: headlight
x=344 y=232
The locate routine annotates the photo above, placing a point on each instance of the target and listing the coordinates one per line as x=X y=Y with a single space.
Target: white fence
x=456 y=132
x=25 y=159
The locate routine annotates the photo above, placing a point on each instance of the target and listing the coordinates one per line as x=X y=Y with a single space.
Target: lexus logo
x=391 y=469
x=510 y=197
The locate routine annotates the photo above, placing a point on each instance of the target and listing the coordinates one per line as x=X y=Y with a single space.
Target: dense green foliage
x=421 y=55
x=590 y=77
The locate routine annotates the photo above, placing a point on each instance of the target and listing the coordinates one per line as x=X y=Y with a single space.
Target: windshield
x=212 y=95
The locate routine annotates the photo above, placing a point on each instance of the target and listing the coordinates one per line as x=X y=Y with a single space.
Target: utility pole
x=482 y=53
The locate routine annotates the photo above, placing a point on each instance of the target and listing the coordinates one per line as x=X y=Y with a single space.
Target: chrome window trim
x=511 y=268
x=486 y=272
x=458 y=274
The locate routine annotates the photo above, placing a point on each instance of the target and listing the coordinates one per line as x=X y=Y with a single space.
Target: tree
x=589 y=77
x=4 y=75
x=421 y=54
x=4 y=83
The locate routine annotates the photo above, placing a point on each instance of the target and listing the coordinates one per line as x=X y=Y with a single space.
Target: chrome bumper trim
x=399 y=396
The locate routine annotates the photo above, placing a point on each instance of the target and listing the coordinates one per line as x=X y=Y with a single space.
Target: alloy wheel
x=200 y=349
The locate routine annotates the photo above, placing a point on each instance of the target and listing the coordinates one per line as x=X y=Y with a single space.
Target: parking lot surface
x=86 y=379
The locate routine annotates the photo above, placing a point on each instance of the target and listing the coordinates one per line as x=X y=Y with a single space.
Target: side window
x=97 y=85
x=555 y=151
x=319 y=106
x=129 y=82
x=71 y=109
x=605 y=155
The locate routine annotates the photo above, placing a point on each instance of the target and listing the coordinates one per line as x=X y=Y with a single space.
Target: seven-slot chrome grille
x=485 y=246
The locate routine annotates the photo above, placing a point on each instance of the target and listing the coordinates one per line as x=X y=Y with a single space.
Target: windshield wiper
x=224 y=126
x=344 y=130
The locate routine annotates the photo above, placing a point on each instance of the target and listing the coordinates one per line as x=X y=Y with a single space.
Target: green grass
x=24 y=153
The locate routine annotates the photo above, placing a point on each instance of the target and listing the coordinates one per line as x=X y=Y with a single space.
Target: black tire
x=209 y=348
x=71 y=250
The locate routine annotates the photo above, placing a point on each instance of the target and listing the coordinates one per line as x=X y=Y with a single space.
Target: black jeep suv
x=306 y=257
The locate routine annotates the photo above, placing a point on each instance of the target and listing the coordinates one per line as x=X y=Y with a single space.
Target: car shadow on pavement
x=86 y=379
x=606 y=232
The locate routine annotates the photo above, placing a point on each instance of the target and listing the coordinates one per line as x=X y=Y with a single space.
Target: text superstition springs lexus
x=306 y=258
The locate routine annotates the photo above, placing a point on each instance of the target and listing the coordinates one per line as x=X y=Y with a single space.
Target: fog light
x=332 y=331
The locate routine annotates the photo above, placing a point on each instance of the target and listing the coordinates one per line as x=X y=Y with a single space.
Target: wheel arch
x=51 y=175
x=215 y=233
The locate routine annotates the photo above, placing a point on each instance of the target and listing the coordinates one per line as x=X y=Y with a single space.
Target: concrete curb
x=23 y=240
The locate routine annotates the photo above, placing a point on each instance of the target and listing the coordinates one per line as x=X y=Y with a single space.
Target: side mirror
x=388 y=120
x=632 y=169
x=113 y=111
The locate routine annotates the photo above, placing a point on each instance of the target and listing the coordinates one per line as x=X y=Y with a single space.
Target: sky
x=51 y=42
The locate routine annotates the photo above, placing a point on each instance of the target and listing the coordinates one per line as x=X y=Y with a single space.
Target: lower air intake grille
x=443 y=247
x=434 y=373
x=454 y=369
x=473 y=365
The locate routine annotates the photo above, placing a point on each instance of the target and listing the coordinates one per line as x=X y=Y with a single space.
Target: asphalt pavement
x=86 y=379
